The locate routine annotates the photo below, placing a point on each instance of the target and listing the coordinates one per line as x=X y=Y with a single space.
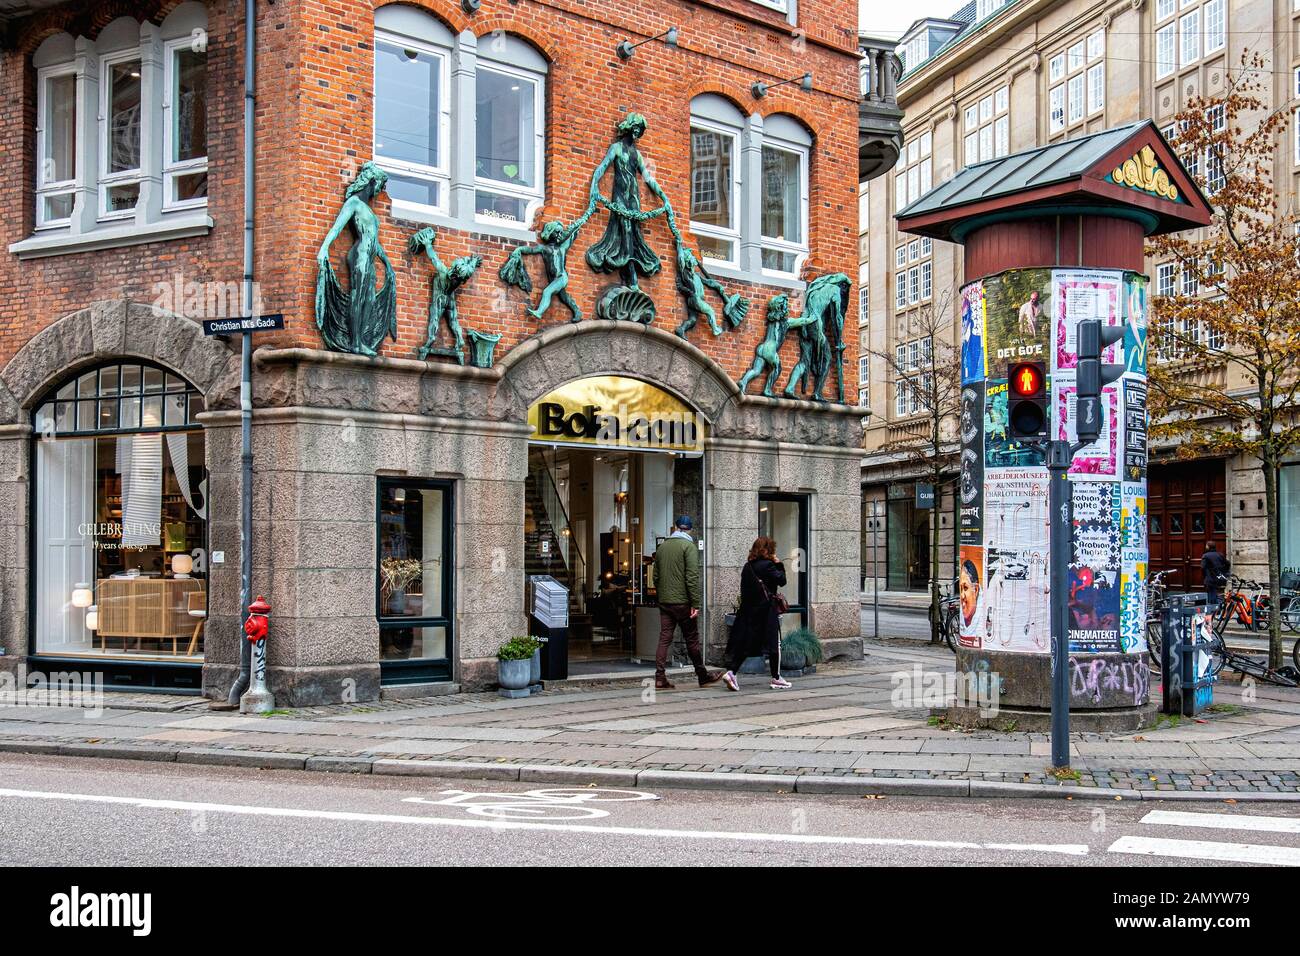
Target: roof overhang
x=1135 y=176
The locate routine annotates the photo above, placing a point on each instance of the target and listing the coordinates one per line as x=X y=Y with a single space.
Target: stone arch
x=563 y=353
x=505 y=22
x=118 y=327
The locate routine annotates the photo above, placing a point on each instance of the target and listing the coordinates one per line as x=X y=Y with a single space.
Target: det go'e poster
x=1095 y=567
x=1016 y=565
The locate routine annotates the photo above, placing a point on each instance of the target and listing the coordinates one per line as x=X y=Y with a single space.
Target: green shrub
x=803 y=641
x=518 y=649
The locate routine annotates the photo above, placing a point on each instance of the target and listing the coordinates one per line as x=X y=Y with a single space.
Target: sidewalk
x=836 y=731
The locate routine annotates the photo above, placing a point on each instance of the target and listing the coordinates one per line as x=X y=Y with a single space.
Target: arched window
x=121 y=509
x=716 y=129
x=784 y=192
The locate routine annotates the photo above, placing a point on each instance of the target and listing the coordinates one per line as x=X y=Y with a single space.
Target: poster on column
x=1135 y=430
x=1135 y=326
x=973 y=611
x=1017 y=306
x=1079 y=295
x=971 y=484
x=1133 y=568
x=1016 y=560
x=972 y=333
x=1095 y=567
x=1097 y=459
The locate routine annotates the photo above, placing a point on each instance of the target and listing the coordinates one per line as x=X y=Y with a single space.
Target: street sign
x=924 y=495
x=236 y=326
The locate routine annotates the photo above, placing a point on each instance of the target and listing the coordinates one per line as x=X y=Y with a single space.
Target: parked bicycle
x=949 y=611
x=1156 y=599
x=1222 y=656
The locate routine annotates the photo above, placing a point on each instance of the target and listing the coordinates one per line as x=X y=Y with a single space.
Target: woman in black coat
x=758 y=626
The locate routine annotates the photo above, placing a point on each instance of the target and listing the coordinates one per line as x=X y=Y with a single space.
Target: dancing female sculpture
x=622 y=249
x=357 y=320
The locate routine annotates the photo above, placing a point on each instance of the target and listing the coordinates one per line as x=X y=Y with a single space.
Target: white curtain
x=65 y=504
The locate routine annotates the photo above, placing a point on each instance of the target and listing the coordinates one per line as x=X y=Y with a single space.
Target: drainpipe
x=246 y=363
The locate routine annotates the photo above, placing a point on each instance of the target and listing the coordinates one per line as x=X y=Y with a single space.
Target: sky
x=889 y=18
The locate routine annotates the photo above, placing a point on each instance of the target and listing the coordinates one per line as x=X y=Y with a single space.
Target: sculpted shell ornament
x=626 y=304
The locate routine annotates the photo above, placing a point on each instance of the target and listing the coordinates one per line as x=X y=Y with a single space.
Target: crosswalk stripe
x=1205 y=850
x=1224 y=821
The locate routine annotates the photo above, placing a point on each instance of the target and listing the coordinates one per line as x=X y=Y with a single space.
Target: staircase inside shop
x=549 y=544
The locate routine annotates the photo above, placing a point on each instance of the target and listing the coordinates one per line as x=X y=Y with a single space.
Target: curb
x=612 y=776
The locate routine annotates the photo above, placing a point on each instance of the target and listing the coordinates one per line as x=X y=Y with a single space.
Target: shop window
x=510 y=152
x=784 y=519
x=115 y=115
x=413 y=578
x=121 y=510
x=715 y=184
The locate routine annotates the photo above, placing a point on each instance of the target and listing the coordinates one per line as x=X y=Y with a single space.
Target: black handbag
x=777 y=600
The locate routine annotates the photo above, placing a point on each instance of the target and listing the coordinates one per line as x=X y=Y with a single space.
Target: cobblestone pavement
x=844 y=722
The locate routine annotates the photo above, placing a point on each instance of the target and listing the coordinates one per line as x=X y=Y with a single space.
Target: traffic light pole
x=1060 y=504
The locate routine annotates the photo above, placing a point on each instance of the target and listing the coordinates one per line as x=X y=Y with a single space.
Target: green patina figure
x=447 y=282
x=692 y=280
x=556 y=239
x=768 y=353
x=821 y=336
x=357 y=320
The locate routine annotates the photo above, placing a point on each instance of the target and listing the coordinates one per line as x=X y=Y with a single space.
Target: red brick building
x=398 y=503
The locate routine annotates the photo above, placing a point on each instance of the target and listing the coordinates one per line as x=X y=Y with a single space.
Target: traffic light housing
x=1027 y=401
x=1092 y=376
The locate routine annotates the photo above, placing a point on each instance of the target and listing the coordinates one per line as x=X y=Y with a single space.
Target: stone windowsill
x=754 y=278
x=501 y=230
x=107 y=237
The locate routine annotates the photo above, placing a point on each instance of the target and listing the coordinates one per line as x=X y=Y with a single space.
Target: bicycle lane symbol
x=562 y=803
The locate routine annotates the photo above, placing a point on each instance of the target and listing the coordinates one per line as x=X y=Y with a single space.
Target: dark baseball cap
x=684 y=522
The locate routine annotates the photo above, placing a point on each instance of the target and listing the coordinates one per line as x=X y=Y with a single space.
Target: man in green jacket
x=677 y=586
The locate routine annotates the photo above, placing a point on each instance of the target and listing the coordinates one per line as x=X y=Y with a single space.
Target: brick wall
x=314 y=125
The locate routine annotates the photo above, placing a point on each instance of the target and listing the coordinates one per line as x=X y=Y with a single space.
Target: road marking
x=555 y=803
x=1068 y=849
x=1204 y=850
x=1224 y=821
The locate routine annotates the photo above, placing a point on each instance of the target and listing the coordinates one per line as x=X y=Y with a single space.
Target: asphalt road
x=896 y=622
x=83 y=811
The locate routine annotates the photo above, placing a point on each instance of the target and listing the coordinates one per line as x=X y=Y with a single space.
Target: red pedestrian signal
x=1027 y=401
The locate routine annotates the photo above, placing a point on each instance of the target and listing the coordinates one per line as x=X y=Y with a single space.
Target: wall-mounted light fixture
x=624 y=49
x=470 y=6
x=760 y=90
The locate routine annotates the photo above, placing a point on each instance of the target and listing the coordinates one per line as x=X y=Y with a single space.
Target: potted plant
x=515 y=665
x=800 y=649
x=395 y=574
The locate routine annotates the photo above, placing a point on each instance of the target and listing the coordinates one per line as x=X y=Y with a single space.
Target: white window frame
x=799 y=249
x=439 y=174
x=900 y=289
x=708 y=230
x=1218 y=35
x=126 y=177
x=1056 y=108
x=174 y=170
x=781 y=6
x=46 y=189
x=1189 y=40
x=1096 y=88
x=1167 y=34
x=533 y=196
x=1075 y=105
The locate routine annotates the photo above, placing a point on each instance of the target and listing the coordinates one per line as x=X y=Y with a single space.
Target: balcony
x=880 y=121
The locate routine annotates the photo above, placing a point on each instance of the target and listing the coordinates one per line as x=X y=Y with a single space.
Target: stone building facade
x=1001 y=77
x=120 y=432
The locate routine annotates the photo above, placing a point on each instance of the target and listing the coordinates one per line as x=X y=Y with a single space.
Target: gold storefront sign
x=1143 y=173
x=609 y=411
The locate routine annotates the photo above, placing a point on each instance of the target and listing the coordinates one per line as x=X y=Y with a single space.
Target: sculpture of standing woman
x=357 y=320
x=622 y=248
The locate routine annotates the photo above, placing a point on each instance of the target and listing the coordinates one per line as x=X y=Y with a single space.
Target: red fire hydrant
x=257 y=699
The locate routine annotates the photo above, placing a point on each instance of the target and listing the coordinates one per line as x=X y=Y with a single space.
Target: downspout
x=246 y=363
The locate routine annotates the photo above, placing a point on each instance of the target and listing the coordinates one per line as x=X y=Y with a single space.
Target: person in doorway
x=758 y=625
x=677 y=585
x=1214 y=566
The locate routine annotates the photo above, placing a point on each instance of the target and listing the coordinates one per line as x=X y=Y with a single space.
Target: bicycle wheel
x=1155 y=646
x=1218 y=655
x=951 y=629
x=1291 y=614
x=1295 y=655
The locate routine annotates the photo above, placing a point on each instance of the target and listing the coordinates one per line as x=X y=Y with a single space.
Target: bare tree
x=1239 y=310
x=932 y=388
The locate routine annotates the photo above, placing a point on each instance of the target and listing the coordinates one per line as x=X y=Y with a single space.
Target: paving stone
x=801 y=760
x=579 y=775
x=118 y=751
x=425 y=747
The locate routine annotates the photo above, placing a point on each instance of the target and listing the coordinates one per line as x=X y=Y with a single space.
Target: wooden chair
x=197 y=605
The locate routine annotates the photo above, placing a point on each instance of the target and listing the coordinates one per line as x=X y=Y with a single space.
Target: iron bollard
x=257 y=699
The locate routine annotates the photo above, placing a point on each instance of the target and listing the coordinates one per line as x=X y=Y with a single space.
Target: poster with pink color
x=1079 y=295
x=1098 y=459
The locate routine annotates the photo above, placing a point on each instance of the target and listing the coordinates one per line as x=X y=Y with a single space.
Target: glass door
x=414 y=584
x=784 y=519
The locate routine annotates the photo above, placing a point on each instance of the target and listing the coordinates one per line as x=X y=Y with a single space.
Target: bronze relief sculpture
x=357 y=320
x=446 y=286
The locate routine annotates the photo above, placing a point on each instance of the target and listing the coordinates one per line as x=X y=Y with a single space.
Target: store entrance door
x=593 y=519
x=1186 y=507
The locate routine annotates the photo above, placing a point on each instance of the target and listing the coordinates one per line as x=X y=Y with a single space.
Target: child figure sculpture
x=447 y=282
x=556 y=239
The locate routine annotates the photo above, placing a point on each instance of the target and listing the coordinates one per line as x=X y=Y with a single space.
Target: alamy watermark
x=937 y=689
x=206 y=299
x=81 y=690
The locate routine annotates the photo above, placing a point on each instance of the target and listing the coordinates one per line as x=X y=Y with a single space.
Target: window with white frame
x=116 y=118
x=1077 y=78
x=912 y=379
x=986 y=125
x=479 y=167
x=1187 y=31
x=715 y=187
x=915 y=177
x=783 y=201
x=914 y=280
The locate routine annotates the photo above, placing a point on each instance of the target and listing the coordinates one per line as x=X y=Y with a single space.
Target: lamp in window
x=626 y=48
x=82 y=596
x=92 y=618
x=182 y=565
x=761 y=90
